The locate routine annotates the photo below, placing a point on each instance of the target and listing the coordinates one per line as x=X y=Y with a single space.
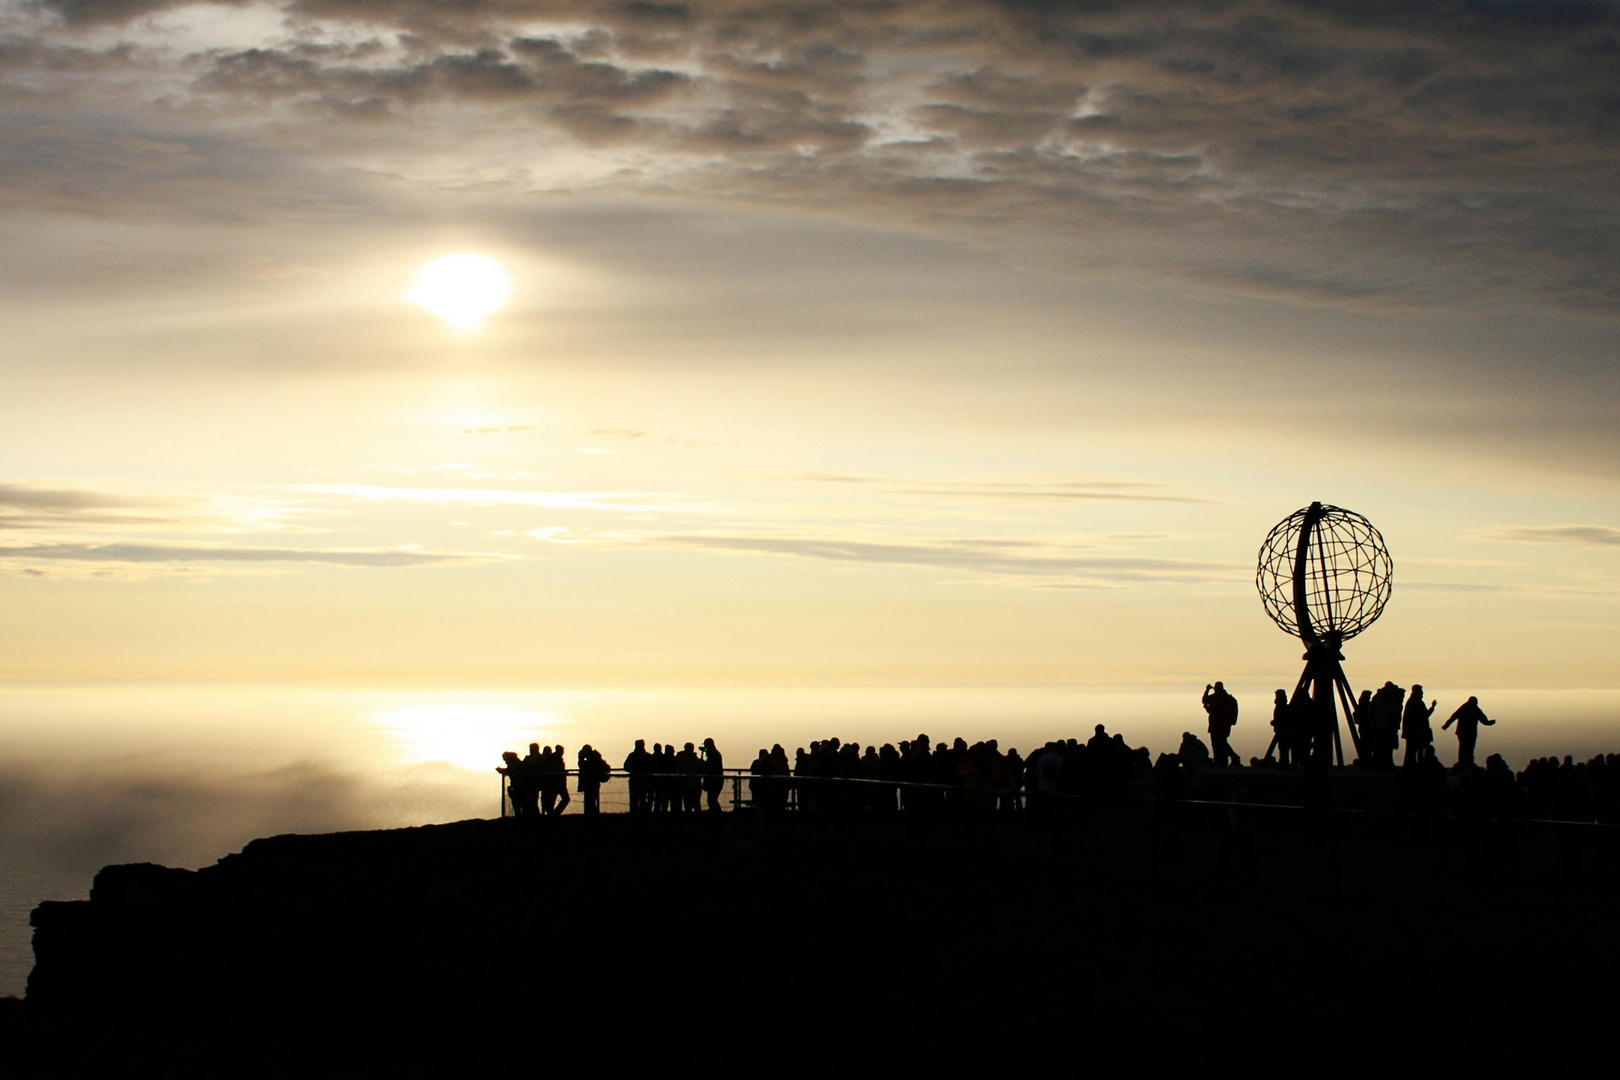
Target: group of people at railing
x=921 y=775
x=661 y=780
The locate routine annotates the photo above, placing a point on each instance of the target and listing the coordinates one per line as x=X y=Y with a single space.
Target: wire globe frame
x=1347 y=573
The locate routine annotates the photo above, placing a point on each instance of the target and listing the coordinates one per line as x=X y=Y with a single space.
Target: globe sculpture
x=1324 y=576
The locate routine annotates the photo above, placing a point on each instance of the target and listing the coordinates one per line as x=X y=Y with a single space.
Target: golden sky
x=941 y=344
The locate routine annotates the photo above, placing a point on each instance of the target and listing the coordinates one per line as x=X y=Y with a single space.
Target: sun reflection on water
x=471 y=736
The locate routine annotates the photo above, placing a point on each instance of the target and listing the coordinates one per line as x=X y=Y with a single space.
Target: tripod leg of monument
x=1347 y=698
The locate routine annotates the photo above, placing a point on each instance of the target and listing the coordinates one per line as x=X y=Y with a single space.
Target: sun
x=462 y=289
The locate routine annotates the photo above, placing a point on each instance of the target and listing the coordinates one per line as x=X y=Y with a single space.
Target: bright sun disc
x=463 y=290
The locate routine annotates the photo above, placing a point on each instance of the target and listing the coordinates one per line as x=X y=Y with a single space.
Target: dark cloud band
x=1366 y=154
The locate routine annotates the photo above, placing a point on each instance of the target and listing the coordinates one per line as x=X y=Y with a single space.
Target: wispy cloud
x=1600 y=535
x=1019 y=559
x=1035 y=489
x=126 y=553
x=625 y=502
x=82 y=509
x=1458 y=587
x=29 y=507
x=492 y=429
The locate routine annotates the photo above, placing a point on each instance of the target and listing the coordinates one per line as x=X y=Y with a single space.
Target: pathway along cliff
x=696 y=942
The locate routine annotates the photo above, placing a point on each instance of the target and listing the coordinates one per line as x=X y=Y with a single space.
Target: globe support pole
x=1329 y=691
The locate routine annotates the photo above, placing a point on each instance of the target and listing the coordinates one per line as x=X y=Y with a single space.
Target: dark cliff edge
x=682 y=944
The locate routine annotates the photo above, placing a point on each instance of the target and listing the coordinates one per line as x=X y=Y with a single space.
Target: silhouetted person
x=691 y=770
x=1192 y=750
x=1222 y=708
x=533 y=770
x=714 y=774
x=1468 y=717
x=1387 y=704
x=1365 y=718
x=760 y=773
x=662 y=765
x=1313 y=737
x=1100 y=740
x=1282 y=729
x=593 y=772
x=554 y=782
x=781 y=777
x=1415 y=728
x=513 y=771
x=638 y=765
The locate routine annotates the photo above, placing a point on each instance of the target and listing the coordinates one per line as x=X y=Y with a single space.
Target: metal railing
x=791 y=786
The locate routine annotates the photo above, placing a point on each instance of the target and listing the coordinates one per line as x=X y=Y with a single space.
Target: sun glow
x=462 y=289
x=471 y=736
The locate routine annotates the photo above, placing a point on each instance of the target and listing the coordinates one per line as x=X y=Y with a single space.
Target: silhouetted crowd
x=921 y=776
x=1303 y=732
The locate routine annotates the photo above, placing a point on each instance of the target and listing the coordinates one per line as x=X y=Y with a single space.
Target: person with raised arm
x=1468 y=717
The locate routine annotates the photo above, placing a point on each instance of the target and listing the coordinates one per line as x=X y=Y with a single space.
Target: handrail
x=736 y=776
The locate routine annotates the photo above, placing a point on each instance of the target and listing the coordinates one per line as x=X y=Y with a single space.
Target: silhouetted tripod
x=1328 y=689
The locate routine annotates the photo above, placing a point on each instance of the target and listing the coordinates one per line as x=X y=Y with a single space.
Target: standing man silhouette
x=638 y=764
x=1282 y=727
x=1223 y=713
x=592 y=772
x=1468 y=717
x=534 y=768
x=1415 y=728
x=714 y=774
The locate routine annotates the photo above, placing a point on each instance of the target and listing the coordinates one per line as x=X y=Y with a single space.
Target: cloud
x=27 y=507
x=1372 y=155
x=627 y=502
x=1458 y=587
x=1601 y=535
x=1076 y=490
x=1019 y=559
x=77 y=510
x=509 y=429
x=92 y=12
x=142 y=554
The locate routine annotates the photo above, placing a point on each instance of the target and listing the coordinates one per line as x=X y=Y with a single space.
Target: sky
x=892 y=347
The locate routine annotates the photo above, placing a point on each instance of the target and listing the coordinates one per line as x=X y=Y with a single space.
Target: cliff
x=678 y=944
